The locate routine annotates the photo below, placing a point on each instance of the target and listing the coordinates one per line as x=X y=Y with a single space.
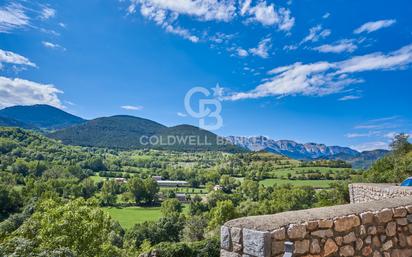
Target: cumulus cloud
x=132 y=107
x=13 y=58
x=165 y=13
x=340 y=46
x=267 y=14
x=324 y=78
x=24 y=92
x=47 y=13
x=202 y=9
x=12 y=17
x=374 y=26
x=316 y=33
x=262 y=50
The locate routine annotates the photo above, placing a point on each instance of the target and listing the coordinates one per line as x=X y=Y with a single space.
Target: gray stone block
x=256 y=243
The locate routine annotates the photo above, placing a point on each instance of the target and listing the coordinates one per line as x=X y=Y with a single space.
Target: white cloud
x=12 y=17
x=326 y=15
x=368 y=146
x=132 y=107
x=267 y=15
x=47 y=13
x=52 y=45
x=316 y=33
x=374 y=26
x=340 y=46
x=324 y=78
x=262 y=50
x=242 y=52
x=349 y=97
x=202 y=9
x=13 y=58
x=182 y=32
x=24 y=92
x=180 y=114
x=378 y=61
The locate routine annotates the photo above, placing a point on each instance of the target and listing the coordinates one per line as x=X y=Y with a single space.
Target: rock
x=325 y=223
x=359 y=244
x=236 y=234
x=409 y=209
x=347 y=251
x=367 y=217
x=330 y=248
x=256 y=243
x=376 y=242
x=367 y=251
x=339 y=240
x=301 y=247
x=346 y=223
x=224 y=253
x=362 y=230
x=401 y=253
x=368 y=240
x=402 y=221
x=315 y=246
x=296 y=231
x=311 y=225
x=388 y=245
x=225 y=241
x=372 y=230
x=237 y=247
x=323 y=233
x=409 y=218
x=402 y=240
x=391 y=228
x=377 y=254
x=384 y=215
x=349 y=238
x=400 y=212
x=279 y=234
x=409 y=240
x=278 y=247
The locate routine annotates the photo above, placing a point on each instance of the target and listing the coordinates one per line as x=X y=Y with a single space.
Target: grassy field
x=313 y=183
x=128 y=216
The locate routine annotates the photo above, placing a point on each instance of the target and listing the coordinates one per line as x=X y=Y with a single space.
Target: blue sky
x=333 y=72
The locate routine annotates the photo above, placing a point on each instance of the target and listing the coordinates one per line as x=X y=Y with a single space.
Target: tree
x=108 y=195
x=78 y=226
x=223 y=212
x=171 y=206
x=10 y=201
x=195 y=228
x=151 y=190
x=136 y=188
x=400 y=144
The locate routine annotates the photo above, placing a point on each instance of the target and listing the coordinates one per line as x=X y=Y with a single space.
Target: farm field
x=128 y=216
x=313 y=183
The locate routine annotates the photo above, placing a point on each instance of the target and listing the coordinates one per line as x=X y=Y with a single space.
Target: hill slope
x=7 y=122
x=41 y=116
x=129 y=132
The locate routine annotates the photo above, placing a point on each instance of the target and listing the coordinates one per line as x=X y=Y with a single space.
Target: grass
x=128 y=216
x=313 y=183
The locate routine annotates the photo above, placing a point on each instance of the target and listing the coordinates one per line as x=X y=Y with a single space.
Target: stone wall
x=360 y=193
x=376 y=229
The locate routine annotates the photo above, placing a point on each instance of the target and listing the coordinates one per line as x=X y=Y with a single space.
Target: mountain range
x=129 y=132
x=308 y=151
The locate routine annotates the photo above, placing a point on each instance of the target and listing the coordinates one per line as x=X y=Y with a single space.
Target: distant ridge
x=41 y=116
x=308 y=151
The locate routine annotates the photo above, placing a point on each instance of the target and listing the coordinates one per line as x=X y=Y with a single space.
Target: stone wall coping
x=271 y=222
x=385 y=186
